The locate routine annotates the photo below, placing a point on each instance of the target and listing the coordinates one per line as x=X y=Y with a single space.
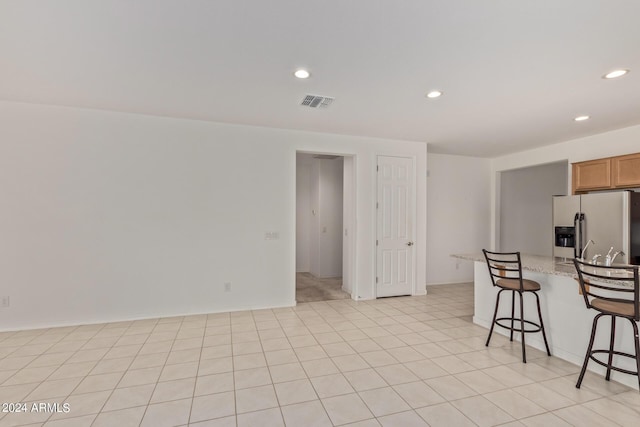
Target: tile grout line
x=125 y=373
x=74 y=353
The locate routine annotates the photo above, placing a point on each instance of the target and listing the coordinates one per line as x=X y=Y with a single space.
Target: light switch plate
x=271 y=235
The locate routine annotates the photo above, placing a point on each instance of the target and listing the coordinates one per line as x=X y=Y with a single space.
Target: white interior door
x=395 y=222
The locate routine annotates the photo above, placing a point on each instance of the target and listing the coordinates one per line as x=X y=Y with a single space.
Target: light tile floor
x=410 y=361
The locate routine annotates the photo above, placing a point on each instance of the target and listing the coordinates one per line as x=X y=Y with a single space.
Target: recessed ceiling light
x=615 y=74
x=434 y=94
x=581 y=118
x=302 y=74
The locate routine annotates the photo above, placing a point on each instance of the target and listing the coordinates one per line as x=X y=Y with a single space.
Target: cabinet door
x=626 y=171
x=591 y=175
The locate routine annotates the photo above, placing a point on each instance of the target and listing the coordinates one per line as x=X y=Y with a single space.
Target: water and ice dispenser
x=565 y=237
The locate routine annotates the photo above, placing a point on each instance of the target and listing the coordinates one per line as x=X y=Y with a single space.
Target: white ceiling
x=514 y=72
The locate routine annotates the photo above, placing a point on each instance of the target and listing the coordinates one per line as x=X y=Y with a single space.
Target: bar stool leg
x=544 y=335
x=588 y=355
x=613 y=336
x=524 y=354
x=495 y=314
x=513 y=312
x=635 y=332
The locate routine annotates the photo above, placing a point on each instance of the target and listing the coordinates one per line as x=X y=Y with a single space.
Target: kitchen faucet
x=585 y=248
x=616 y=254
x=594 y=260
x=607 y=259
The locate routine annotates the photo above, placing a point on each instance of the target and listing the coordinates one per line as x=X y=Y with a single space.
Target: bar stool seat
x=618 y=308
x=513 y=284
x=612 y=291
x=505 y=269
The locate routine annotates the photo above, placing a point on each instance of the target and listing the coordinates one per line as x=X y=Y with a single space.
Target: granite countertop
x=556 y=266
x=536 y=263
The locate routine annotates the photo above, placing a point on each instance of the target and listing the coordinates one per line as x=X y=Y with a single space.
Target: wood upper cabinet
x=591 y=175
x=625 y=171
x=609 y=173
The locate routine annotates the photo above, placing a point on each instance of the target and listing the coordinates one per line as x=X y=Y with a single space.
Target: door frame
x=414 y=196
x=350 y=224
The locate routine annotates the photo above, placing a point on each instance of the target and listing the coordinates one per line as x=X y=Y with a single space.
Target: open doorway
x=324 y=211
x=525 y=210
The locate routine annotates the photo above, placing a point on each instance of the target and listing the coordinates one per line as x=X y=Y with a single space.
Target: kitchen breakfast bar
x=566 y=318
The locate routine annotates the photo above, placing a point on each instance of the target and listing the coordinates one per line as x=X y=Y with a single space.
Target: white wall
x=329 y=208
x=303 y=212
x=110 y=216
x=614 y=143
x=458 y=215
x=314 y=230
x=526 y=207
x=348 y=255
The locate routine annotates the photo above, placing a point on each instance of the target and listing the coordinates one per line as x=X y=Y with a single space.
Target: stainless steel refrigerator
x=608 y=219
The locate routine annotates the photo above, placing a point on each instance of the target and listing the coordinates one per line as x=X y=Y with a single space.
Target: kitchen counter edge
x=536 y=263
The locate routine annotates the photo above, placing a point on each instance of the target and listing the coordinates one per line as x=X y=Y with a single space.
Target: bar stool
x=505 y=269
x=611 y=291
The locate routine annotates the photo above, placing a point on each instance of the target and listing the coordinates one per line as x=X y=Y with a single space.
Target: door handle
x=409 y=243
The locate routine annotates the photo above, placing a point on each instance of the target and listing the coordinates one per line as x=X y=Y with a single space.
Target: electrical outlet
x=4 y=302
x=227 y=286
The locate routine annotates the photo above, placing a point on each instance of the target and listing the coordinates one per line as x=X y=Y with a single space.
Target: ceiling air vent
x=316 y=101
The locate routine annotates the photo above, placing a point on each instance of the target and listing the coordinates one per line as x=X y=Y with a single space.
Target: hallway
x=310 y=289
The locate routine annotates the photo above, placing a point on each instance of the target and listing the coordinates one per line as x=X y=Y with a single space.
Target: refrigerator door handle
x=582 y=227
x=578 y=221
x=577 y=235
x=576 y=242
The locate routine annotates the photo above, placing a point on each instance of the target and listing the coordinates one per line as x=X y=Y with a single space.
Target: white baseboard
x=450 y=283
x=135 y=318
